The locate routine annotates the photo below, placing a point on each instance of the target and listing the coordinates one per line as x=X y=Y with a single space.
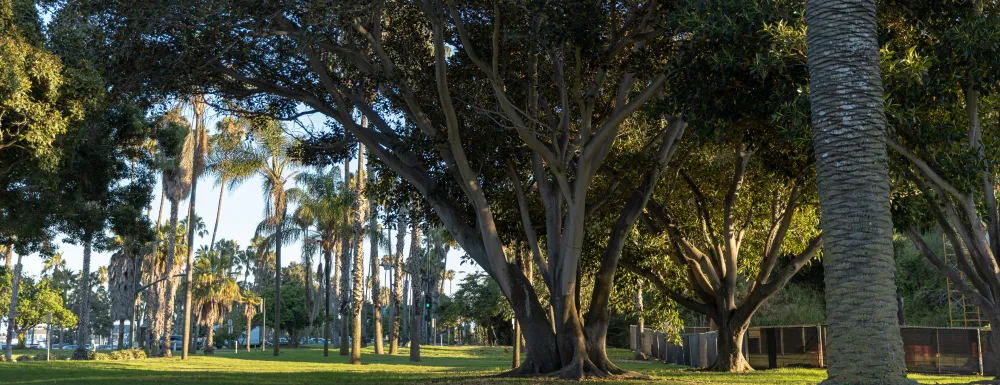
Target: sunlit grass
x=458 y=365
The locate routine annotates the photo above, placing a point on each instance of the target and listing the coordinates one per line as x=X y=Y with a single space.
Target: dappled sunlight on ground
x=448 y=365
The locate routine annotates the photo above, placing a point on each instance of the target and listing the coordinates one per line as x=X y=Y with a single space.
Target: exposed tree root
x=741 y=367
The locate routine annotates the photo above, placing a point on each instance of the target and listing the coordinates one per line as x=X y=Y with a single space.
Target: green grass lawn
x=455 y=365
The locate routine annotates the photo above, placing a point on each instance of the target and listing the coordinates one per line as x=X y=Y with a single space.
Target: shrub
x=120 y=355
x=3 y=358
x=41 y=356
x=138 y=354
x=25 y=358
x=210 y=349
x=101 y=357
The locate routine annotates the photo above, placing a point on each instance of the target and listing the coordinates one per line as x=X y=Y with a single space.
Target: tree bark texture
x=12 y=311
x=375 y=267
x=357 y=293
x=397 y=284
x=276 y=338
x=416 y=294
x=852 y=176
x=83 y=323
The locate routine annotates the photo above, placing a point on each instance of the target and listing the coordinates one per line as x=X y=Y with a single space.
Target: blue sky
x=242 y=210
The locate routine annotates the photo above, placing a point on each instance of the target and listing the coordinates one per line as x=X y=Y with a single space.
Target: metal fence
x=930 y=350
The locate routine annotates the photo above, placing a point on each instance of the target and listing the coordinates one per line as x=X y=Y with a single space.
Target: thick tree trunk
x=345 y=276
x=397 y=285
x=167 y=309
x=210 y=341
x=853 y=182
x=189 y=261
x=729 y=348
x=121 y=334
x=375 y=267
x=12 y=311
x=83 y=323
x=416 y=308
x=276 y=338
x=328 y=259
x=358 y=290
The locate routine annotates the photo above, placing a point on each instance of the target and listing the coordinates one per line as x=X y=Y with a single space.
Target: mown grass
x=446 y=365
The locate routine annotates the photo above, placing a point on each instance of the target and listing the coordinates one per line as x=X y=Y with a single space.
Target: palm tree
x=225 y=145
x=177 y=148
x=198 y=161
x=267 y=156
x=450 y=276
x=322 y=202
x=397 y=282
x=52 y=264
x=250 y=302
x=360 y=213
x=214 y=290
x=852 y=176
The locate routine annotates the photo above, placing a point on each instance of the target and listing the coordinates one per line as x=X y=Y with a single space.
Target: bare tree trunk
x=346 y=249
x=853 y=181
x=167 y=308
x=360 y=214
x=12 y=311
x=416 y=307
x=277 y=286
x=397 y=284
x=328 y=258
x=376 y=283
x=640 y=325
x=83 y=324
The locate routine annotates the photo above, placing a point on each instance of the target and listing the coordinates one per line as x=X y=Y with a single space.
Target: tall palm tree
x=416 y=286
x=377 y=241
x=177 y=148
x=214 y=290
x=52 y=264
x=396 y=299
x=322 y=202
x=346 y=251
x=250 y=302
x=450 y=277
x=852 y=176
x=267 y=157
x=199 y=162
x=225 y=145
x=360 y=214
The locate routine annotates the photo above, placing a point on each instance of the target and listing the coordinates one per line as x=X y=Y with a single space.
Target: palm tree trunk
x=345 y=273
x=277 y=285
x=415 y=283
x=376 y=284
x=169 y=284
x=12 y=312
x=328 y=258
x=187 y=345
x=853 y=180
x=83 y=325
x=397 y=287
x=358 y=257
x=218 y=213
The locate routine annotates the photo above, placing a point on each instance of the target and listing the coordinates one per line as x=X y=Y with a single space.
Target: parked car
x=33 y=346
x=316 y=340
x=68 y=347
x=104 y=347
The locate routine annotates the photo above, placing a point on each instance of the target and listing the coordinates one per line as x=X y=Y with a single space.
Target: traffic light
x=427 y=301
